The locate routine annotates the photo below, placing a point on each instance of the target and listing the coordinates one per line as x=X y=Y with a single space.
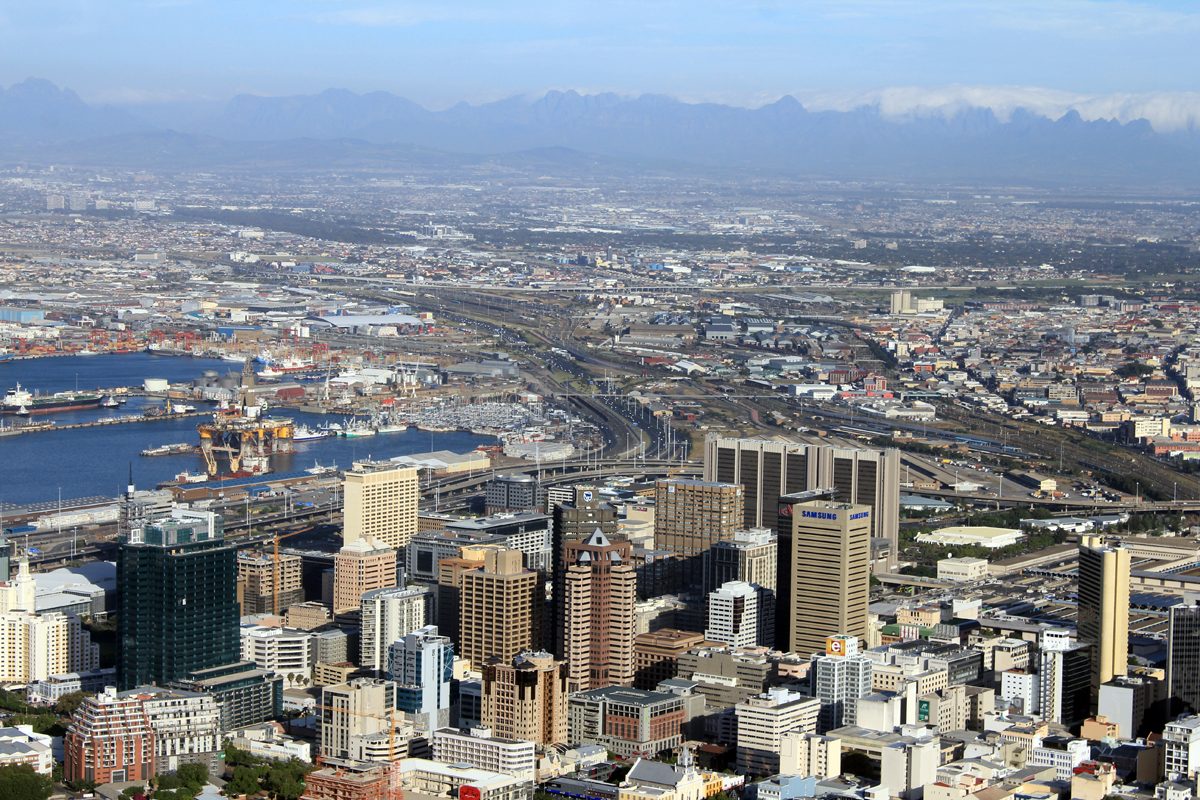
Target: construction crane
x=395 y=791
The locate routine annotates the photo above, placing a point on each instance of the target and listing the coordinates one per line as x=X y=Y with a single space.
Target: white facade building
x=479 y=748
x=762 y=721
x=1022 y=689
x=1181 y=740
x=387 y=616
x=1064 y=756
x=962 y=569
x=284 y=651
x=422 y=666
x=839 y=678
x=186 y=725
x=733 y=614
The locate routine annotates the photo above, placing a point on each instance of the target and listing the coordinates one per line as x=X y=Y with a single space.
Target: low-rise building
x=629 y=722
x=479 y=748
x=962 y=569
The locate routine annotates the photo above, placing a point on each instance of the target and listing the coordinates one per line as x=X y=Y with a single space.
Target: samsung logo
x=833 y=516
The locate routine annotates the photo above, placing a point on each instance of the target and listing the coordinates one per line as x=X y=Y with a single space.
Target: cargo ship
x=17 y=399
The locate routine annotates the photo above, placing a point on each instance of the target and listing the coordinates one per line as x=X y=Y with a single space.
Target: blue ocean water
x=96 y=461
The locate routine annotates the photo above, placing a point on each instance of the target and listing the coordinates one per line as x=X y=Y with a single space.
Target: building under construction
x=353 y=781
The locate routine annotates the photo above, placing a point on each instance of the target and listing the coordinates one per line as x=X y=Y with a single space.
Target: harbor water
x=96 y=460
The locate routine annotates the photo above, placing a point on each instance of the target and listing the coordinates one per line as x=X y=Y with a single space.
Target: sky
x=439 y=52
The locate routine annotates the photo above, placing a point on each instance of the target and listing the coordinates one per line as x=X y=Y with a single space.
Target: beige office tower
x=770 y=469
x=361 y=566
x=380 y=502
x=598 y=618
x=526 y=698
x=350 y=711
x=260 y=571
x=824 y=573
x=692 y=516
x=500 y=608
x=449 y=587
x=1103 y=608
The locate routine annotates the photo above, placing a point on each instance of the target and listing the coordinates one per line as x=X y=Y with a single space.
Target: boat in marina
x=358 y=428
x=303 y=433
x=392 y=427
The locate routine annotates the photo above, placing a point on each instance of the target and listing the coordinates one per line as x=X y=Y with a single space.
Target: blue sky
x=438 y=53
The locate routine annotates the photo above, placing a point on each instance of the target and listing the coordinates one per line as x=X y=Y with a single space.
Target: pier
x=103 y=422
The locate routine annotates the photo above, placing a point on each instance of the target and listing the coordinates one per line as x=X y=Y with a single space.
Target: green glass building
x=176 y=600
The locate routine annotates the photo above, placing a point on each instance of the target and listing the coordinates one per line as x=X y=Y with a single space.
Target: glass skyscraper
x=176 y=600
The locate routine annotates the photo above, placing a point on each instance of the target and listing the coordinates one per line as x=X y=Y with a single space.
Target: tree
x=21 y=782
x=244 y=781
x=193 y=776
x=68 y=704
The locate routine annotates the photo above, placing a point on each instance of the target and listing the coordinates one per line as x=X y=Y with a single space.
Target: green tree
x=193 y=776
x=21 y=782
x=68 y=704
x=244 y=781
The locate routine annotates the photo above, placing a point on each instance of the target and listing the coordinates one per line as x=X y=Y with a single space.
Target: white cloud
x=1166 y=111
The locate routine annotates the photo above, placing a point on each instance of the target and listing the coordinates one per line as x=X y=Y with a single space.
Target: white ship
x=303 y=433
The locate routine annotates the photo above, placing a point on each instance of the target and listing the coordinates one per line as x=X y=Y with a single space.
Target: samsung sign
x=832 y=515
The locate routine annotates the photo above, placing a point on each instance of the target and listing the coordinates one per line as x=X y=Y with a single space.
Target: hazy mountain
x=858 y=143
x=959 y=141
x=38 y=111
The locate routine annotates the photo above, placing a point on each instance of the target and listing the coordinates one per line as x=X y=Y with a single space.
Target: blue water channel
x=34 y=467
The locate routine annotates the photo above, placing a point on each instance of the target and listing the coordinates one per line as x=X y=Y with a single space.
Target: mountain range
x=40 y=122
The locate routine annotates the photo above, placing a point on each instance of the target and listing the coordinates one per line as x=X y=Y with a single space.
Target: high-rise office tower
x=381 y=502
x=824 y=572
x=598 y=627
x=1103 y=608
x=734 y=616
x=176 y=600
x=387 y=615
x=769 y=469
x=259 y=573
x=514 y=492
x=421 y=664
x=839 y=677
x=449 y=586
x=526 y=698
x=1064 y=667
x=1183 y=656
x=750 y=556
x=363 y=565
x=574 y=520
x=692 y=516
x=501 y=608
